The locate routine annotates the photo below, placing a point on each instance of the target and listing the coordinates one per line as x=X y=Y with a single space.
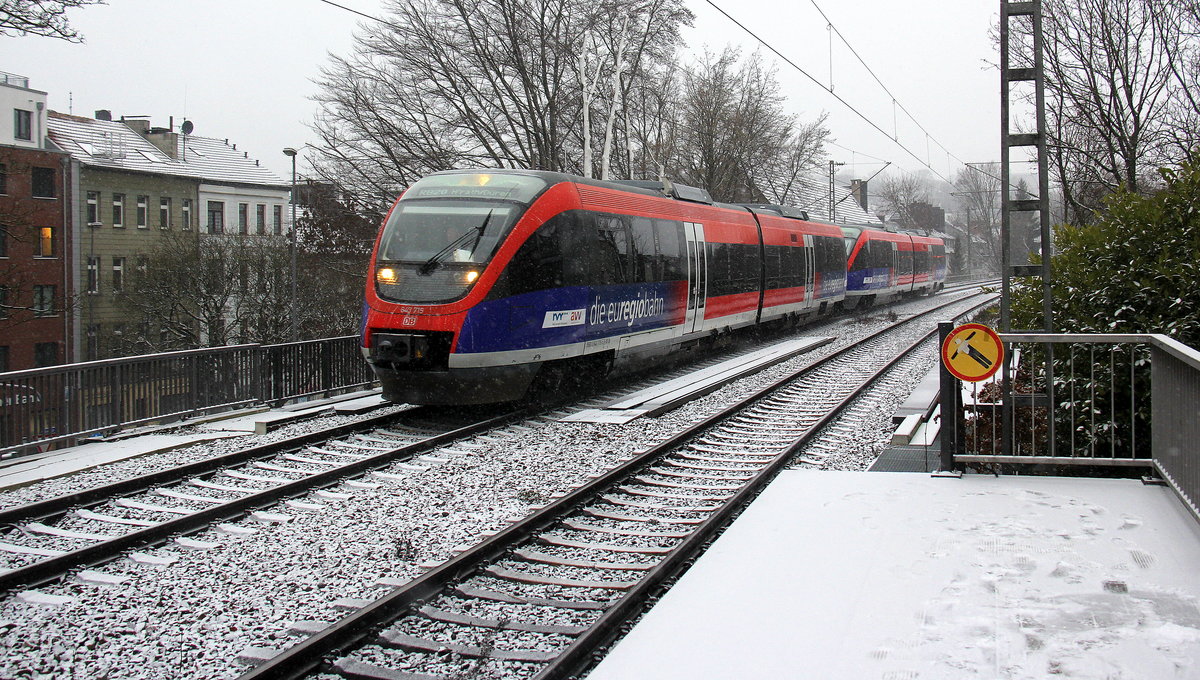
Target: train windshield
x=455 y=218
x=444 y=230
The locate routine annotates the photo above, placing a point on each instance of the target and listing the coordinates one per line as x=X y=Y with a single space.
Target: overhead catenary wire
x=833 y=94
x=829 y=89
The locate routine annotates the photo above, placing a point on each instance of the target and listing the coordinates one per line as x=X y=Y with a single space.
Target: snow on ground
x=901 y=576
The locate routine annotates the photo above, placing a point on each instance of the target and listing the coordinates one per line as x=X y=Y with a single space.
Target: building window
x=143 y=210
x=43 y=183
x=185 y=215
x=93 y=275
x=118 y=210
x=118 y=280
x=23 y=124
x=243 y=217
x=261 y=218
x=164 y=213
x=216 y=217
x=45 y=354
x=3 y=358
x=3 y=302
x=43 y=300
x=278 y=219
x=3 y=241
x=93 y=208
x=45 y=242
x=140 y=264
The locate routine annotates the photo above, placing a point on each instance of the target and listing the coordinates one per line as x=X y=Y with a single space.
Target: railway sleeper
x=678 y=496
x=509 y=598
x=583 y=526
x=551 y=539
x=543 y=580
x=410 y=643
x=498 y=624
x=659 y=506
x=684 y=485
x=741 y=458
x=361 y=670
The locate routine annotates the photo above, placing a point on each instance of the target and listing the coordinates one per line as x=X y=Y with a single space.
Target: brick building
x=36 y=281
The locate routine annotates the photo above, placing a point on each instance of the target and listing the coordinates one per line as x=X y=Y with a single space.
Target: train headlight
x=470 y=276
x=387 y=276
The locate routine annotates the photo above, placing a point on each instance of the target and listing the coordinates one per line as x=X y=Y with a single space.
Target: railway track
x=539 y=597
x=48 y=538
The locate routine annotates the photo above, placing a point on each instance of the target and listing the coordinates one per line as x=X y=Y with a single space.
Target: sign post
x=971 y=352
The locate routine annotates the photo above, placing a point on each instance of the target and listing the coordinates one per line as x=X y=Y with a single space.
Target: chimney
x=858 y=189
x=138 y=125
x=104 y=114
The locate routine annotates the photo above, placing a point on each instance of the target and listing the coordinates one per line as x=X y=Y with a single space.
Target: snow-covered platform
x=897 y=576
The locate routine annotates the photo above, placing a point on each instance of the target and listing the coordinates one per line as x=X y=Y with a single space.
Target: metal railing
x=46 y=406
x=1096 y=400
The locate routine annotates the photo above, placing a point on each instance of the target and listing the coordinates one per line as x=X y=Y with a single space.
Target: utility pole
x=833 y=165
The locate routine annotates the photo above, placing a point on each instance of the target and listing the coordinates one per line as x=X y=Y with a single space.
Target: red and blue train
x=485 y=283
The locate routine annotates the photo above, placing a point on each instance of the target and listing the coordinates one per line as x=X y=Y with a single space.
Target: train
x=487 y=285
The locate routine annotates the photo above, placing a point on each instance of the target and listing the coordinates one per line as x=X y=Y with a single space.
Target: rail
x=1103 y=400
x=57 y=405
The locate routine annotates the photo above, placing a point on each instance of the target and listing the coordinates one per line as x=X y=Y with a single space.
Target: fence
x=45 y=406
x=1093 y=400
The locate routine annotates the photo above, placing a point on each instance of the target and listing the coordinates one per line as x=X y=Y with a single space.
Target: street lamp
x=290 y=152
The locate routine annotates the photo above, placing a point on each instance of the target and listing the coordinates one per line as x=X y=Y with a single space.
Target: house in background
x=136 y=185
x=36 y=279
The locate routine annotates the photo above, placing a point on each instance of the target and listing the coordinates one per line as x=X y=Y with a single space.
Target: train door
x=894 y=269
x=697 y=277
x=810 y=269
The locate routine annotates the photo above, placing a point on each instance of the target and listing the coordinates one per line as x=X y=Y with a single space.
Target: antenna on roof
x=186 y=129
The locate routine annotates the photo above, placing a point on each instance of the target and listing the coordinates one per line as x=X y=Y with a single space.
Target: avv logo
x=566 y=317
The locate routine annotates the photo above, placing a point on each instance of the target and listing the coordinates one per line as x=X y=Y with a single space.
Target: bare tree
x=899 y=193
x=978 y=193
x=735 y=139
x=495 y=83
x=1109 y=72
x=41 y=17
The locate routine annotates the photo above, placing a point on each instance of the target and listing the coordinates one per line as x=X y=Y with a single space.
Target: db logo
x=408 y=321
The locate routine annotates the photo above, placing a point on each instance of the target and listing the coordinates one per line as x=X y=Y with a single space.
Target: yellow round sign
x=972 y=352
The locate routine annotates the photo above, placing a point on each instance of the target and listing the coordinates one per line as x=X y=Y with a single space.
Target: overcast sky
x=243 y=69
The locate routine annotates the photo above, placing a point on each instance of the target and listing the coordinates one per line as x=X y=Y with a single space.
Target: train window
x=773 y=266
x=646 y=265
x=610 y=252
x=669 y=235
x=538 y=263
x=732 y=268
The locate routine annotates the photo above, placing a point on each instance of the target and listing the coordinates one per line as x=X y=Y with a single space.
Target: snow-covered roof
x=814 y=198
x=112 y=144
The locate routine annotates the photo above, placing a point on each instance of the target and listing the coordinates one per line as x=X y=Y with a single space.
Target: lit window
x=45 y=244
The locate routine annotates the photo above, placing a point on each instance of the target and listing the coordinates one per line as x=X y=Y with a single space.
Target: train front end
x=437 y=256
